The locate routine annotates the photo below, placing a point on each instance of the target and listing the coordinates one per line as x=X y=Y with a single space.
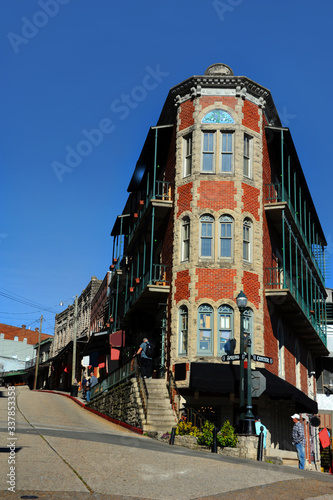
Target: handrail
x=282 y=281
x=162 y=192
x=191 y=414
x=174 y=395
x=124 y=373
x=277 y=193
x=142 y=386
x=159 y=278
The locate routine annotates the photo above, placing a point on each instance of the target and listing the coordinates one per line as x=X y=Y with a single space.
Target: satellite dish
x=315 y=421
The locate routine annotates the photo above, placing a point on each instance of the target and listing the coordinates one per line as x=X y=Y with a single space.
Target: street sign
x=262 y=359
x=258 y=382
x=232 y=357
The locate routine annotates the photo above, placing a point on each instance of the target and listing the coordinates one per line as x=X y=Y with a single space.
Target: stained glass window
x=218 y=116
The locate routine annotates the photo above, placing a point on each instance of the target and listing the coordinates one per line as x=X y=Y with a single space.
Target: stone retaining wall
x=247 y=446
x=120 y=403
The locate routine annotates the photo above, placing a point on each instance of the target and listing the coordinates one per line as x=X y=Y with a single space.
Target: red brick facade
x=250 y=200
x=184 y=198
x=217 y=194
x=211 y=100
x=251 y=287
x=215 y=284
x=182 y=285
x=251 y=116
x=186 y=115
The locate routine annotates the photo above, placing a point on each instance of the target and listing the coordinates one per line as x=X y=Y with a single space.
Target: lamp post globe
x=241 y=301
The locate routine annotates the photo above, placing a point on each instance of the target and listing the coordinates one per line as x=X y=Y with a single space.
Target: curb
x=96 y=412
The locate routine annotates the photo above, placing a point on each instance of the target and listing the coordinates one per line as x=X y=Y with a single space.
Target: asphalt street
x=60 y=450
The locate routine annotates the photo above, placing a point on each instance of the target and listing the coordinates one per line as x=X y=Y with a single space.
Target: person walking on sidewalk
x=145 y=359
x=298 y=439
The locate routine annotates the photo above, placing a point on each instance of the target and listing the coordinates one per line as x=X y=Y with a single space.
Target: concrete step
x=164 y=404
x=162 y=412
x=159 y=427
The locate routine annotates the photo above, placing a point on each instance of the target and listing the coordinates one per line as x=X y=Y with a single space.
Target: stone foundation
x=120 y=403
x=247 y=446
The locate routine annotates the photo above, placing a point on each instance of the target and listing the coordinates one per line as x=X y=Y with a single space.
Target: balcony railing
x=277 y=279
x=162 y=193
x=158 y=276
x=276 y=193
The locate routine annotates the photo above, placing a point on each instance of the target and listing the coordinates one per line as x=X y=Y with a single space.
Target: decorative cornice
x=241 y=85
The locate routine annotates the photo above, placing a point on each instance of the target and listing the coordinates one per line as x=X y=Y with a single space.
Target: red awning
x=117 y=339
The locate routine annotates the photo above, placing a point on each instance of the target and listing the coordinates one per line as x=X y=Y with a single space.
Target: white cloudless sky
x=66 y=68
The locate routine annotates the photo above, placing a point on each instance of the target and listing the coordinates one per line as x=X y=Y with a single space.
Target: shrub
x=205 y=438
x=227 y=436
x=186 y=429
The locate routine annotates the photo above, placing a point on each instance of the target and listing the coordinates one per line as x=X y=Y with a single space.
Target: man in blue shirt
x=298 y=439
x=145 y=361
x=258 y=426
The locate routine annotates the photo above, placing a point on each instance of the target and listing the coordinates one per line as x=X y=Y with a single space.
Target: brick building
x=62 y=347
x=218 y=204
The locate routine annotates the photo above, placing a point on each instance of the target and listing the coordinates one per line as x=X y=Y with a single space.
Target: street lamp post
x=249 y=423
x=241 y=301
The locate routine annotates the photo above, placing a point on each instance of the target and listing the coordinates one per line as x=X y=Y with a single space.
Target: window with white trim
x=205 y=329
x=226 y=328
x=227 y=152
x=226 y=236
x=183 y=329
x=206 y=236
x=208 y=152
x=185 y=250
x=247 y=240
x=187 y=169
x=247 y=156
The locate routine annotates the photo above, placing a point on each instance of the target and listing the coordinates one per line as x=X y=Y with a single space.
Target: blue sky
x=67 y=68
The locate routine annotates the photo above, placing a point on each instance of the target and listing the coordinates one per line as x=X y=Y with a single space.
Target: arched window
x=206 y=236
x=247 y=240
x=185 y=241
x=205 y=330
x=226 y=236
x=281 y=351
x=218 y=116
x=226 y=329
x=183 y=329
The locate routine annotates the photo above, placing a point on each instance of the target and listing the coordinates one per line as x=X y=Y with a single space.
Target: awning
x=222 y=379
x=213 y=377
x=278 y=388
x=13 y=374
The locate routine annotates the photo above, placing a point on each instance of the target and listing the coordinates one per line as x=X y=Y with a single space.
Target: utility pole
x=74 y=340
x=38 y=351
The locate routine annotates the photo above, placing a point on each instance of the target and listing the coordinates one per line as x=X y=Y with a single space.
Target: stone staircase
x=160 y=415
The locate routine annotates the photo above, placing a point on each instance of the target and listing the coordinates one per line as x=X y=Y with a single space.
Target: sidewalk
x=83 y=403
